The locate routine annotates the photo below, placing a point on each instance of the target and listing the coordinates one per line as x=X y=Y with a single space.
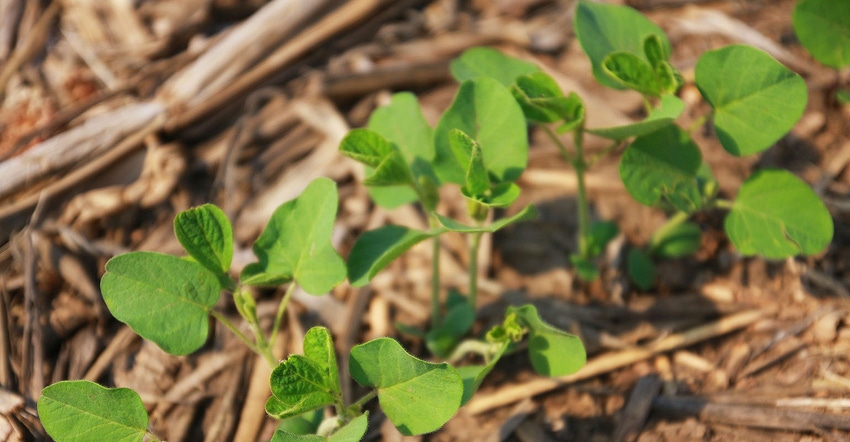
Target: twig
x=637 y=408
x=612 y=361
x=27 y=49
x=749 y=415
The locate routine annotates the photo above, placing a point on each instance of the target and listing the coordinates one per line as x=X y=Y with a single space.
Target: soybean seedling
x=754 y=101
x=169 y=300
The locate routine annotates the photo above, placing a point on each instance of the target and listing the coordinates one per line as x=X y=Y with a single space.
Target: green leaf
x=669 y=109
x=823 y=27
x=468 y=154
x=385 y=164
x=401 y=123
x=304 y=423
x=529 y=212
x=601 y=233
x=351 y=432
x=207 y=235
x=586 y=268
x=417 y=396
x=163 y=298
x=663 y=164
x=304 y=383
x=679 y=240
x=552 y=351
x=542 y=100
x=455 y=324
x=603 y=29
x=487 y=112
x=756 y=99
x=669 y=79
x=296 y=243
x=84 y=411
x=641 y=269
x=487 y=62
x=377 y=248
x=777 y=215
x=632 y=72
x=500 y=196
x=654 y=50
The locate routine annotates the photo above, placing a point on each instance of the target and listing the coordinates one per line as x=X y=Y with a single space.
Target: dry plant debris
x=116 y=115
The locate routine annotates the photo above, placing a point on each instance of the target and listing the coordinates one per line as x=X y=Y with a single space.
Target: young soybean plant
x=754 y=100
x=823 y=27
x=168 y=300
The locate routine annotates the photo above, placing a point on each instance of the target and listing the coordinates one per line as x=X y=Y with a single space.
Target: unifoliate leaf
x=663 y=164
x=654 y=50
x=487 y=62
x=377 y=248
x=632 y=72
x=417 y=396
x=163 y=298
x=305 y=383
x=668 y=110
x=777 y=215
x=84 y=411
x=641 y=269
x=401 y=123
x=534 y=89
x=500 y=196
x=823 y=27
x=756 y=99
x=529 y=212
x=679 y=240
x=469 y=157
x=207 y=236
x=603 y=29
x=552 y=352
x=487 y=112
x=296 y=243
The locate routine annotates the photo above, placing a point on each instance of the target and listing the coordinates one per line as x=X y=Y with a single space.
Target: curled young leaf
x=207 y=236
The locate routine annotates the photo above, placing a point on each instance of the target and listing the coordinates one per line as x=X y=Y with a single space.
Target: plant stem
x=483 y=348
x=698 y=122
x=256 y=349
x=435 y=274
x=598 y=156
x=581 y=197
x=561 y=147
x=673 y=222
x=362 y=401
x=723 y=204
x=474 y=245
x=278 y=318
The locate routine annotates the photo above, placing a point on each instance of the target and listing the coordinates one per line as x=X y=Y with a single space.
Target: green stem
x=254 y=347
x=483 y=348
x=278 y=318
x=474 y=245
x=673 y=222
x=362 y=401
x=569 y=158
x=583 y=204
x=435 y=274
x=723 y=204
x=598 y=156
x=698 y=123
